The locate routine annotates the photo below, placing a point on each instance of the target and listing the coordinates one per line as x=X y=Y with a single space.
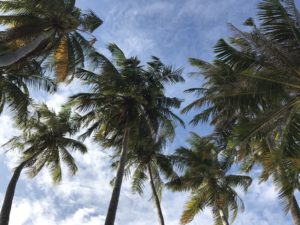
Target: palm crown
x=205 y=174
x=15 y=83
x=255 y=79
x=252 y=93
x=46 y=141
x=125 y=95
x=46 y=29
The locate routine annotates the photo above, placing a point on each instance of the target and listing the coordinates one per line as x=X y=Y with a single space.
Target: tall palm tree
x=275 y=47
x=281 y=163
x=15 y=83
x=255 y=98
x=206 y=176
x=123 y=96
x=233 y=101
x=45 y=142
x=46 y=29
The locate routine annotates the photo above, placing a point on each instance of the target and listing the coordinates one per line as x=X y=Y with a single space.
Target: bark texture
x=113 y=205
x=156 y=198
x=9 y=195
x=295 y=211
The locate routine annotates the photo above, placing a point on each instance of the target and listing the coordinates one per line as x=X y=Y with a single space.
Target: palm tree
x=233 y=101
x=14 y=87
x=281 y=163
x=255 y=97
x=258 y=74
x=147 y=162
x=228 y=95
x=123 y=96
x=46 y=29
x=275 y=50
x=44 y=143
x=205 y=175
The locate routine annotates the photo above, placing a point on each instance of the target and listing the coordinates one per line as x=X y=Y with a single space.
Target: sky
x=172 y=30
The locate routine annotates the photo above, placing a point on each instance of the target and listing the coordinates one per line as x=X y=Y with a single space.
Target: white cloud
x=173 y=30
x=87 y=216
x=83 y=199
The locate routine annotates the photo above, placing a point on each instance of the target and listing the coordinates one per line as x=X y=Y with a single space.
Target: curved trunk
x=9 y=195
x=223 y=217
x=10 y=58
x=156 y=198
x=113 y=205
x=295 y=211
x=294 y=207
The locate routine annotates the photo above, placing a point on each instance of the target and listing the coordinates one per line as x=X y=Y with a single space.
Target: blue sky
x=173 y=30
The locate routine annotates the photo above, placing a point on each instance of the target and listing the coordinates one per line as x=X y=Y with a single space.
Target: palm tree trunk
x=10 y=58
x=156 y=198
x=113 y=205
x=9 y=195
x=223 y=217
x=294 y=207
x=295 y=211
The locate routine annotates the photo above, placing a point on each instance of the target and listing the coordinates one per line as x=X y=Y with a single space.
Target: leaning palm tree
x=206 y=176
x=46 y=29
x=15 y=83
x=275 y=45
x=123 y=96
x=254 y=99
x=279 y=162
x=45 y=142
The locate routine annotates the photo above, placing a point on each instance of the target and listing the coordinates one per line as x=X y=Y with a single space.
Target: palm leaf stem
x=13 y=57
x=156 y=198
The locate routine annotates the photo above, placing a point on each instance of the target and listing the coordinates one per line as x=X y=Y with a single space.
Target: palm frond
x=62 y=59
